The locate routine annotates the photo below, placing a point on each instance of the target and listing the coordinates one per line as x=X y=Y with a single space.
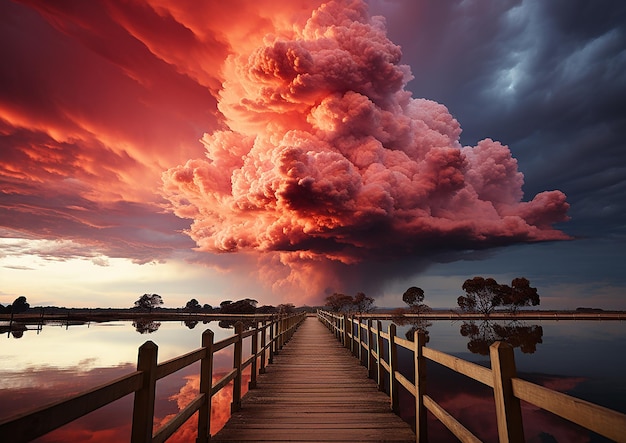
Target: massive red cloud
x=328 y=159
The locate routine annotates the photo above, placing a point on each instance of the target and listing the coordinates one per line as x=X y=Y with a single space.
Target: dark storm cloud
x=547 y=78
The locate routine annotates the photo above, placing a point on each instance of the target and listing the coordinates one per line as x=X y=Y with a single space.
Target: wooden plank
x=315 y=390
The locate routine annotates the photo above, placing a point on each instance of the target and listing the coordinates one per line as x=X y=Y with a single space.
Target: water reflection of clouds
x=473 y=405
x=113 y=422
x=98 y=345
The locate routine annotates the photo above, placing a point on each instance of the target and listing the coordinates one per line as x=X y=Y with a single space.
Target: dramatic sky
x=284 y=151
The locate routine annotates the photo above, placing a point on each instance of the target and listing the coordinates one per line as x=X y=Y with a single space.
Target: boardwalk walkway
x=315 y=391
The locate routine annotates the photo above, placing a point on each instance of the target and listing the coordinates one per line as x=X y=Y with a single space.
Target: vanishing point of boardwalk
x=315 y=391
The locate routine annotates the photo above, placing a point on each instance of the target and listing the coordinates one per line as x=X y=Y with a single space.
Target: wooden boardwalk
x=315 y=391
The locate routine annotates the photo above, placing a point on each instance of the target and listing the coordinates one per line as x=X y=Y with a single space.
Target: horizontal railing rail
x=33 y=424
x=502 y=378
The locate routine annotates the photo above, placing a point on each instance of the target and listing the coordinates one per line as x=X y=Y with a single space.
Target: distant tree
x=519 y=294
x=19 y=305
x=207 y=307
x=414 y=298
x=286 y=308
x=483 y=295
x=362 y=303
x=267 y=309
x=149 y=301
x=338 y=302
x=245 y=306
x=193 y=306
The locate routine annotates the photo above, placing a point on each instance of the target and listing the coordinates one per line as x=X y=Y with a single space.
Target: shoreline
x=106 y=315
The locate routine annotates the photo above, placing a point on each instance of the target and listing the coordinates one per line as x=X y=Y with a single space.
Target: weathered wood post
x=421 y=434
x=255 y=355
x=281 y=332
x=371 y=362
x=236 y=404
x=359 y=338
x=272 y=341
x=508 y=409
x=393 y=367
x=206 y=384
x=379 y=355
x=263 y=346
x=346 y=334
x=143 y=408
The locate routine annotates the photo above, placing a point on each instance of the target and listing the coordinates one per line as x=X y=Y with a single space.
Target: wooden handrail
x=33 y=424
x=508 y=388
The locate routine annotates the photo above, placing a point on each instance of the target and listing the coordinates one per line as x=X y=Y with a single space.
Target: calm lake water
x=585 y=359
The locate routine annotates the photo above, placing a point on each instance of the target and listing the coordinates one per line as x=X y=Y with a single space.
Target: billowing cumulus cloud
x=327 y=161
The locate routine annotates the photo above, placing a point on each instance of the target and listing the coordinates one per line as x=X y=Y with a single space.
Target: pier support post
x=143 y=408
x=206 y=385
x=255 y=355
x=263 y=346
x=272 y=339
x=371 y=362
x=421 y=435
x=508 y=409
x=236 y=404
x=379 y=353
x=393 y=367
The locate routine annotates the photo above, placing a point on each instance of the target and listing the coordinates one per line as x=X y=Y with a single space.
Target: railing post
x=263 y=346
x=206 y=384
x=346 y=335
x=360 y=349
x=370 y=357
x=352 y=335
x=508 y=409
x=393 y=367
x=379 y=353
x=421 y=434
x=236 y=404
x=143 y=408
x=272 y=323
x=255 y=353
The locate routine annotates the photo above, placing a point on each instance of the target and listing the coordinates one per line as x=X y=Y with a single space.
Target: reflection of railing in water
x=142 y=383
x=508 y=388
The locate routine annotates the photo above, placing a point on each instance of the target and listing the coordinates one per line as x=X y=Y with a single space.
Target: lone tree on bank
x=363 y=303
x=149 y=301
x=193 y=306
x=414 y=297
x=338 y=301
x=520 y=294
x=484 y=295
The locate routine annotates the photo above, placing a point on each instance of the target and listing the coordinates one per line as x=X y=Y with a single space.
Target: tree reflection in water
x=146 y=326
x=191 y=323
x=484 y=333
x=418 y=324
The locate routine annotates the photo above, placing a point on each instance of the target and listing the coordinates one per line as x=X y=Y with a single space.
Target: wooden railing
x=366 y=340
x=142 y=383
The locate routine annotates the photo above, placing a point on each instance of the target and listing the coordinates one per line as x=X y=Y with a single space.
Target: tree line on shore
x=482 y=295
